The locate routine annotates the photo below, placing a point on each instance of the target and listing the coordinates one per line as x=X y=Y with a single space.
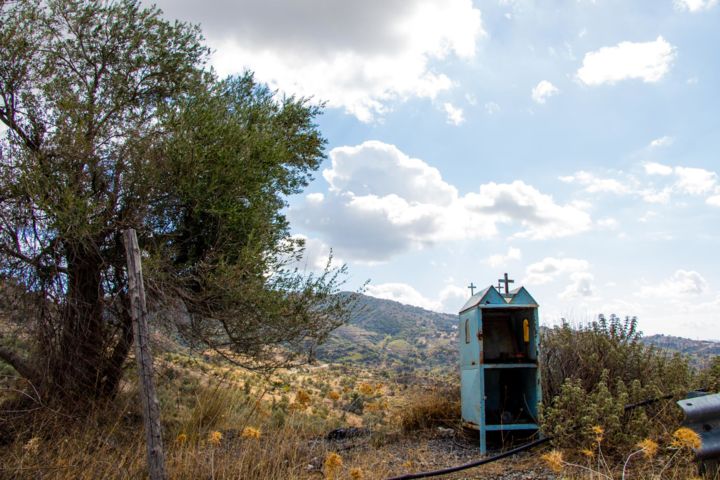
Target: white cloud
x=682 y=283
x=652 y=168
x=594 y=184
x=537 y=212
x=403 y=293
x=695 y=5
x=647 y=61
x=359 y=56
x=492 y=108
x=382 y=202
x=673 y=180
x=714 y=200
x=695 y=181
x=608 y=223
x=503 y=258
x=381 y=169
x=648 y=216
x=661 y=196
x=549 y=268
x=454 y=114
x=450 y=299
x=581 y=286
x=544 y=90
x=665 y=141
x=316 y=255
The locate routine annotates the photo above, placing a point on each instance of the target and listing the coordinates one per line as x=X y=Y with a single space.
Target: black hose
x=509 y=453
x=650 y=401
x=477 y=463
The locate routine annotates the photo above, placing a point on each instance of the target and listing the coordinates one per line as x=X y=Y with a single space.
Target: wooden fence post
x=138 y=309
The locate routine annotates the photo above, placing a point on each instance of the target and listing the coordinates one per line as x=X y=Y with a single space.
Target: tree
x=112 y=123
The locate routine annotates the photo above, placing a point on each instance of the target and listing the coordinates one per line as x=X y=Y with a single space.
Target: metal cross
x=507 y=283
x=472 y=289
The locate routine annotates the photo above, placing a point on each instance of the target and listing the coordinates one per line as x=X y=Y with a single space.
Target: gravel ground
x=440 y=450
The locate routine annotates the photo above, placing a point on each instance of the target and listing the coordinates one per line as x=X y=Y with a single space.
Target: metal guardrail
x=702 y=415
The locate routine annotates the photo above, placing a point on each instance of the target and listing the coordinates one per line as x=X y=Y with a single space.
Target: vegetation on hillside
x=389 y=334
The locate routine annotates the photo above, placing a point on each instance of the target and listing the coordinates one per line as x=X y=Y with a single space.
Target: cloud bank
x=359 y=56
x=381 y=202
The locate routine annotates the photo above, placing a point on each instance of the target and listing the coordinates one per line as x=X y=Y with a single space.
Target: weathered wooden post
x=138 y=309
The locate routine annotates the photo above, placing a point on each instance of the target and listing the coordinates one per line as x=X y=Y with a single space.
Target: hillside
x=389 y=334
x=385 y=333
x=700 y=351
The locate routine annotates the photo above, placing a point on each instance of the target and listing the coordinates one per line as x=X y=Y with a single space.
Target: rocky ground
x=438 y=450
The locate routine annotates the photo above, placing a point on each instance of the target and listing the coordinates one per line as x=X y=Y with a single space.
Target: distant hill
x=385 y=333
x=390 y=334
x=701 y=351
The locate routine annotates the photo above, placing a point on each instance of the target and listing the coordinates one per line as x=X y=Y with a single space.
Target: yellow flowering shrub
x=686 y=438
x=366 y=389
x=215 y=437
x=332 y=465
x=554 y=460
x=649 y=447
x=251 y=432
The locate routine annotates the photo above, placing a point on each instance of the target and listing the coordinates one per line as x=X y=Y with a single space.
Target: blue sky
x=573 y=144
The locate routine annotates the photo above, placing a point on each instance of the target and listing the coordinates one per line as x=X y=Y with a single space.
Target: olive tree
x=113 y=121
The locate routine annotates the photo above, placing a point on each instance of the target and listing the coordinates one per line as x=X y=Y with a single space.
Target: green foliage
x=113 y=123
x=709 y=378
x=578 y=419
x=590 y=373
x=613 y=345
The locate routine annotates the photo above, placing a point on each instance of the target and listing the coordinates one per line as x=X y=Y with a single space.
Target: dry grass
x=430 y=408
x=223 y=423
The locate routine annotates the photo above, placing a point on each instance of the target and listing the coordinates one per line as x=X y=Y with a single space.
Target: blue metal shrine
x=499 y=375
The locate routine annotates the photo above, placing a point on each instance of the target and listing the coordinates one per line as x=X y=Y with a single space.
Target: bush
x=591 y=372
x=613 y=345
x=433 y=408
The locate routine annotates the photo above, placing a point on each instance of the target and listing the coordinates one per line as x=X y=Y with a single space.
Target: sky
x=572 y=144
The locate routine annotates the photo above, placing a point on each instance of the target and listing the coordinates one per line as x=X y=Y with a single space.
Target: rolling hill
x=389 y=334
x=385 y=333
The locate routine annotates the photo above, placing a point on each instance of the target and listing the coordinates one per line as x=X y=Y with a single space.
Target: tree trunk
x=94 y=340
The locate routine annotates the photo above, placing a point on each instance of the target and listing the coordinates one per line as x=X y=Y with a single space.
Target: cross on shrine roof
x=507 y=283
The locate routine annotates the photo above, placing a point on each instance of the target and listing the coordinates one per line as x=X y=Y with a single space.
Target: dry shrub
x=215 y=407
x=224 y=434
x=430 y=408
x=90 y=452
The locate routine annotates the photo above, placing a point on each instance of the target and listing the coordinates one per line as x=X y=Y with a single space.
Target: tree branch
x=19 y=364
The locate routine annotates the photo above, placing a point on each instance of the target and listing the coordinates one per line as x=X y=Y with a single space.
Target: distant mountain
x=385 y=333
x=390 y=334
